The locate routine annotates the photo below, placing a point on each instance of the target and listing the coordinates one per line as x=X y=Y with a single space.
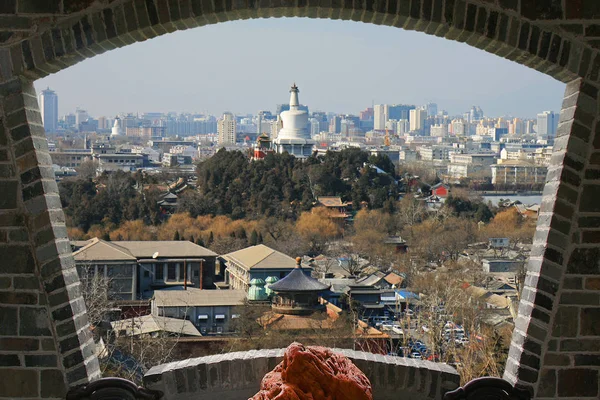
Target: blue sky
x=339 y=66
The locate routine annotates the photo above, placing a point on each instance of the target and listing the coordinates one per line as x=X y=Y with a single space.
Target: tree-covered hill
x=281 y=185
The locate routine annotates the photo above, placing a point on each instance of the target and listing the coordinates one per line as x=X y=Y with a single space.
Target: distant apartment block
x=49 y=110
x=417 y=119
x=146 y=131
x=70 y=157
x=470 y=165
x=547 y=122
x=513 y=172
x=435 y=153
x=227 y=129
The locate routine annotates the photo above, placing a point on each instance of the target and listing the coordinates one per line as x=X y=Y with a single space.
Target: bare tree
x=349 y=260
x=131 y=352
x=87 y=169
x=95 y=288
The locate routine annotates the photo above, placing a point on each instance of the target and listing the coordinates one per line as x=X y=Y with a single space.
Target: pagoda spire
x=294 y=96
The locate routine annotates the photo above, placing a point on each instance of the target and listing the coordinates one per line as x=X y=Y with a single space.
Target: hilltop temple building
x=294 y=137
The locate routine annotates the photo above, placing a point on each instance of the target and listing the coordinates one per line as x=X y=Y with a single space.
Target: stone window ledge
x=238 y=375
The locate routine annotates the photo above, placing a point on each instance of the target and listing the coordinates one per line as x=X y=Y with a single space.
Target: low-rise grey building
x=136 y=268
x=501 y=265
x=211 y=311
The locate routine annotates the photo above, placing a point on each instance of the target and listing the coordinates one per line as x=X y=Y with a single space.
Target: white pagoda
x=294 y=136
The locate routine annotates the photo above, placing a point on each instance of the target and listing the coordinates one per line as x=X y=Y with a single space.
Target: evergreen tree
x=106 y=237
x=211 y=238
x=253 y=238
x=260 y=238
x=176 y=235
x=199 y=241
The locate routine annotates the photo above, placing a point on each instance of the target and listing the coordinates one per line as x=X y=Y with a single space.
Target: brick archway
x=44 y=337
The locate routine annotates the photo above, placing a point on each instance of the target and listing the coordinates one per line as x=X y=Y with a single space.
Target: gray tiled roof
x=101 y=250
x=298 y=281
x=193 y=297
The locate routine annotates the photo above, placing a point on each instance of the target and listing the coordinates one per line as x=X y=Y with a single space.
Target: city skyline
x=173 y=78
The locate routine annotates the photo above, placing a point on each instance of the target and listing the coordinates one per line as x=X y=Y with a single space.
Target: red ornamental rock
x=314 y=373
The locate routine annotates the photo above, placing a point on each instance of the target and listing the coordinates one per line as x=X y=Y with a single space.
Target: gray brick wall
x=556 y=344
x=238 y=375
x=44 y=340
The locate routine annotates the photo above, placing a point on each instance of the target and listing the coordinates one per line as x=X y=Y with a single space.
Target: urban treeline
x=239 y=202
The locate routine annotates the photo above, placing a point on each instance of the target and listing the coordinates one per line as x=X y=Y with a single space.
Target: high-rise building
x=314 y=127
x=417 y=119
x=432 y=109
x=335 y=124
x=102 y=123
x=460 y=127
x=403 y=127
x=398 y=111
x=475 y=114
x=49 y=109
x=80 y=117
x=322 y=118
x=366 y=114
x=439 y=130
x=379 y=117
x=547 y=122
x=227 y=129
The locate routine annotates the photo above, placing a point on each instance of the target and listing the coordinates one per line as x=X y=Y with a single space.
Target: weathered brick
x=52 y=383
x=22 y=383
x=48 y=344
x=26 y=283
x=8 y=321
x=41 y=360
x=34 y=321
x=18 y=235
x=580 y=298
x=592 y=283
x=590 y=325
x=18 y=344
x=9 y=360
x=555 y=359
x=18 y=298
x=578 y=345
x=584 y=261
x=587 y=359
x=8 y=7
x=5 y=282
x=577 y=382
x=77 y=374
x=547 y=385
x=572 y=282
x=8 y=200
x=566 y=322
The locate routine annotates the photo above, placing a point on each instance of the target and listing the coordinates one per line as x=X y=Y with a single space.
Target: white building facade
x=227 y=129
x=49 y=110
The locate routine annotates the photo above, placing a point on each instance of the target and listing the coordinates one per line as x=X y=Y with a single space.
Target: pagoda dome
x=116 y=129
x=294 y=120
x=269 y=281
x=297 y=293
x=257 y=290
x=298 y=281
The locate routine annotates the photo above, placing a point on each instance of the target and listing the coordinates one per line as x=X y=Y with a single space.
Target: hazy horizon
x=339 y=66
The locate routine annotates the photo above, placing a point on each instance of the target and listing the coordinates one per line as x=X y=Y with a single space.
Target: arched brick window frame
x=556 y=343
